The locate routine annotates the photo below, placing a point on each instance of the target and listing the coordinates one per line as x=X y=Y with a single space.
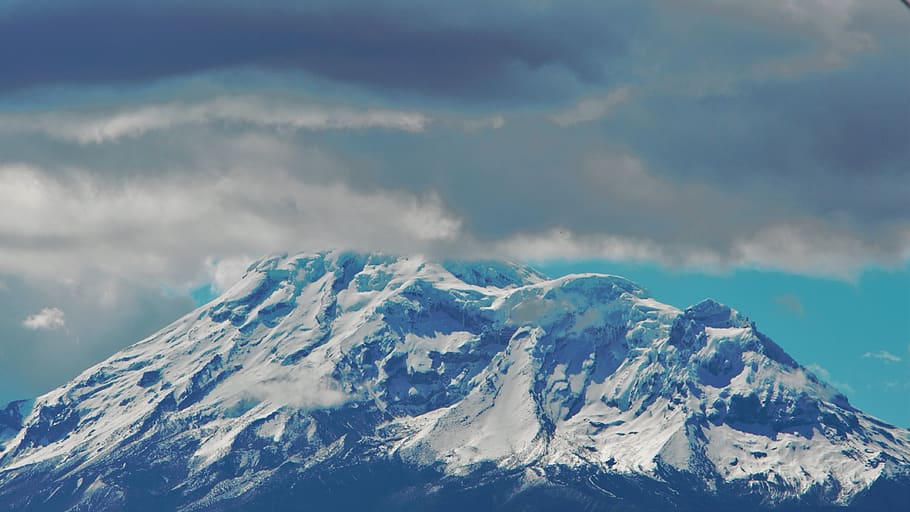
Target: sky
x=754 y=152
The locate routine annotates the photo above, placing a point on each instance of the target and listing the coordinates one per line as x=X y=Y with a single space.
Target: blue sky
x=754 y=152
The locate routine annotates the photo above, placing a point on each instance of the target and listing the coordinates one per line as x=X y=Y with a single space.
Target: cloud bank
x=147 y=149
x=467 y=50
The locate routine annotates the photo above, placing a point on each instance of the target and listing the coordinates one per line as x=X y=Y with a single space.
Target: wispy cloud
x=791 y=303
x=883 y=355
x=46 y=319
x=591 y=109
x=86 y=127
x=494 y=122
x=825 y=375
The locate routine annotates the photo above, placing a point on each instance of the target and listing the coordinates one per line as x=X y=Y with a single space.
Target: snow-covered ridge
x=340 y=358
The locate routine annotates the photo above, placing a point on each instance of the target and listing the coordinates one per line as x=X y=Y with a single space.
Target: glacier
x=378 y=382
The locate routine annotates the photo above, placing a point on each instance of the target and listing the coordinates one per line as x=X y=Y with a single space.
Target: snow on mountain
x=11 y=419
x=478 y=383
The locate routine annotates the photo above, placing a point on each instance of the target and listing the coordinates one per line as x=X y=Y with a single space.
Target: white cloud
x=796 y=249
x=168 y=228
x=563 y=243
x=591 y=109
x=814 y=247
x=87 y=127
x=301 y=393
x=838 y=255
x=225 y=272
x=47 y=319
x=883 y=355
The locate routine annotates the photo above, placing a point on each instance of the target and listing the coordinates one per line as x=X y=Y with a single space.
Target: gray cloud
x=241 y=196
x=591 y=109
x=766 y=134
x=504 y=187
x=791 y=303
x=468 y=49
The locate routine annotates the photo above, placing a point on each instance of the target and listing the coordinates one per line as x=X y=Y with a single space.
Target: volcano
x=350 y=381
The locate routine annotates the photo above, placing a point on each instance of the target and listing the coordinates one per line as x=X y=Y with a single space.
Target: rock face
x=369 y=382
x=11 y=419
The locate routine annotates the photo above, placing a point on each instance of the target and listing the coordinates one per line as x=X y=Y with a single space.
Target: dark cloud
x=471 y=50
x=828 y=144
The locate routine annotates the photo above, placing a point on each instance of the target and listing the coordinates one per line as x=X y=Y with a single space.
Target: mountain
x=11 y=419
x=369 y=382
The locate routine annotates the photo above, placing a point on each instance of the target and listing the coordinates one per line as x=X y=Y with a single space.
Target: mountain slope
x=371 y=381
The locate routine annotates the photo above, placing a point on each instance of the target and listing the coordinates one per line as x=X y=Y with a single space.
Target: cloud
x=166 y=227
x=831 y=21
x=542 y=51
x=99 y=127
x=825 y=375
x=163 y=151
x=494 y=122
x=100 y=326
x=454 y=50
x=302 y=393
x=717 y=162
x=564 y=244
x=791 y=303
x=815 y=247
x=884 y=356
x=226 y=272
x=239 y=193
x=591 y=109
x=47 y=318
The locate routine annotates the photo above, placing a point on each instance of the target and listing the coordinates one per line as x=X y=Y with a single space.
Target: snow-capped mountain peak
x=475 y=372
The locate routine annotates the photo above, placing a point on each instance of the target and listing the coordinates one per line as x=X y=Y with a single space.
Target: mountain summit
x=371 y=382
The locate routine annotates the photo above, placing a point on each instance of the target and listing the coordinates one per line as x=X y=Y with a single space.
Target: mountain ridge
x=483 y=375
